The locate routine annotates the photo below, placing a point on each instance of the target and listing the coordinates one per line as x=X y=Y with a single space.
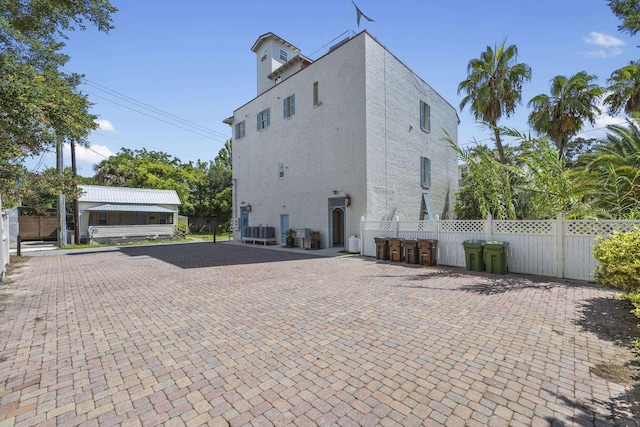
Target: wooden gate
x=38 y=227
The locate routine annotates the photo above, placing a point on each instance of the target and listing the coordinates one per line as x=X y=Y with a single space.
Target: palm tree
x=573 y=101
x=612 y=170
x=624 y=89
x=494 y=87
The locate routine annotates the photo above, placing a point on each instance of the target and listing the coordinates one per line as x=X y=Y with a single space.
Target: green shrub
x=619 y=260
x=183 y=226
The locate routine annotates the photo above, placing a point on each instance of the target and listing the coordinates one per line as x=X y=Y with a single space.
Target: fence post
x=560 y=246
x=437 y=236
x=488 y=227
x=397 y=226
x=361 y=236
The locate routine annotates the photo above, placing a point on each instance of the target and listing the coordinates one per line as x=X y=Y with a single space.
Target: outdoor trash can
x=427 y=251
x=382 y=248
x=473 y=254
x=410 y=251
x=395 y=249
x=495 y=257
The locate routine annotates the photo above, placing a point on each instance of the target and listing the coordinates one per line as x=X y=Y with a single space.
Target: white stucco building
x=352 y=134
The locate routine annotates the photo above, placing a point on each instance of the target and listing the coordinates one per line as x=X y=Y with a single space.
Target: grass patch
x=207 y=235
x=132 y=243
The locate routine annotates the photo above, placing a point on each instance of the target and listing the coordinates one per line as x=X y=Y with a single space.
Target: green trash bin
x=495 y=257
x=473 y=254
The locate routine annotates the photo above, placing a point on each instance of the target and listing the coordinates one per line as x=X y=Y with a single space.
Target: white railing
x=553 y=248
x=4 y=244
x=102 y=232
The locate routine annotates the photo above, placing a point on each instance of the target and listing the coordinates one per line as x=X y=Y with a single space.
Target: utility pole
x=76 y=216
x=61 y=211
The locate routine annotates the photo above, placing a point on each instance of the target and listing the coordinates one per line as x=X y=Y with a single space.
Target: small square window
x=289 y=106
x=280 y=170
x=239 y=128
x=263 y=119
x=425 y=116
x=283 y=55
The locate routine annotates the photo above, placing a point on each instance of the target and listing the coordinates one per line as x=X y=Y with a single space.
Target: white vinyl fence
x=553 y=248
x=4 y=243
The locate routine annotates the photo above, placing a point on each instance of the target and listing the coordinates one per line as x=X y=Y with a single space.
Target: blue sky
x=192 y=59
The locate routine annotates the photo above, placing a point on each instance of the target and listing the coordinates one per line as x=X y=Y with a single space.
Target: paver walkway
x=224 y=334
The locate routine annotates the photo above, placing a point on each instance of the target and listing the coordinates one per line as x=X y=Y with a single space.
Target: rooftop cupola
x=276 y=60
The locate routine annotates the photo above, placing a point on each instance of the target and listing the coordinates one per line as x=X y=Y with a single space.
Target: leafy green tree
x=40 y=103
x=487 y=185
x=38 y=192
x=611 y=172
x=573 y=101
x=624 y=89
x=532 y=185
x=148 y=169
x=629 y=12
x=545 y=187
x=208 y=190
x=577 y=147
x=493 y=87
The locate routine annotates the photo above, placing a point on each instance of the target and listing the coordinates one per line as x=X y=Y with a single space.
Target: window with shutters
x=425 y=172
x=240 y=130
x=263 y=119
x=425 y=116
x=283 y=55
x=280 y=170
x=263 y=55
x=289 y=106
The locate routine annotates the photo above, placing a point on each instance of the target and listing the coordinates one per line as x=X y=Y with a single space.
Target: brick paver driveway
x=224 y=334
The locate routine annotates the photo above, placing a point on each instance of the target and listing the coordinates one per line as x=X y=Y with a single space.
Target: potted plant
x=290 y=235
x=315 y=239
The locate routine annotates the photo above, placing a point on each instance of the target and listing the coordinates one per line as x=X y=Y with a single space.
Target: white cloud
x=604 y=53
x=89 y=156
x=609 y=45
x=601 y=39
x=599 y=129
x=105 y=125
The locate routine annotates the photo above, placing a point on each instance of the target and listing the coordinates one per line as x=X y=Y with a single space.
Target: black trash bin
x=382 y=248
x=410 y=251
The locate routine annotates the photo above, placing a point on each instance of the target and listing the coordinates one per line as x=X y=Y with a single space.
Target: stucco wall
x=322 y=147
x=364 y=139
x=395 y=140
